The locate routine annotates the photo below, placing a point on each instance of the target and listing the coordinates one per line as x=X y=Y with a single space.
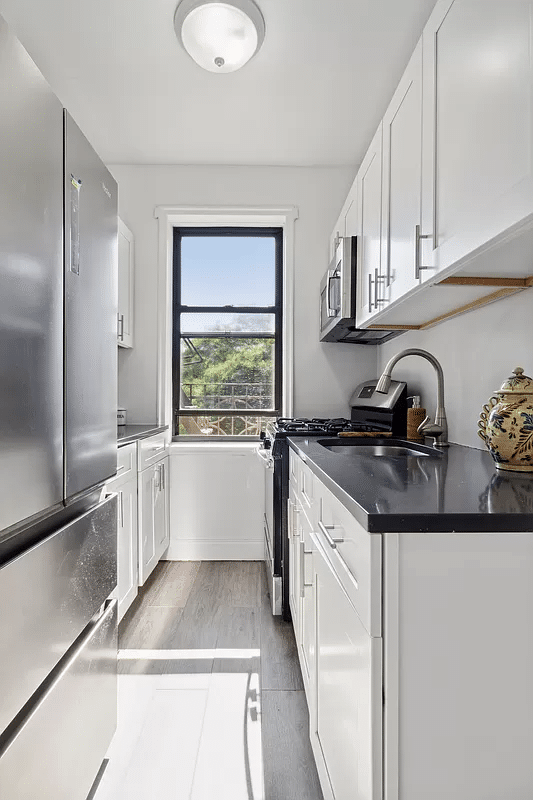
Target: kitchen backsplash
x=477 y=351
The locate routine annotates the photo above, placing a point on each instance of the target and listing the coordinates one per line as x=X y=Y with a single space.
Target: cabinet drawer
x=355 y=555
x=127 y=460
x=152 y=449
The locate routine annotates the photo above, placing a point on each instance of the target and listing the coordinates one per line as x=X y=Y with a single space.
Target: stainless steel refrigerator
x=58 y=385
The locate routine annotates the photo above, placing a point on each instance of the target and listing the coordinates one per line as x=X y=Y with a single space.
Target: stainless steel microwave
x=338 y=299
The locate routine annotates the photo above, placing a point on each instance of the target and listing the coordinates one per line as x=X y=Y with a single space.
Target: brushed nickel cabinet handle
x=377 y=280
x=331 y=540
x=303 y=554
x=418 y=236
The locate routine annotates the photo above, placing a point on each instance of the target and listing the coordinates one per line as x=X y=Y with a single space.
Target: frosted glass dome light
x=220 y=37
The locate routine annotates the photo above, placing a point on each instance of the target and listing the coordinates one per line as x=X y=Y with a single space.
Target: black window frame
x=178 y=308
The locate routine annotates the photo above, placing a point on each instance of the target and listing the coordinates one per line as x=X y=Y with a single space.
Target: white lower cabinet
x=125 y=486
x=154 y=532
x=306 y=639
x=293 y=530
x=416 y=653
x=128 y=583
x=346 y=725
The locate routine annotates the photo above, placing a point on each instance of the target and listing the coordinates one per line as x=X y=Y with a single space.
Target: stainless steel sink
x=388 y=448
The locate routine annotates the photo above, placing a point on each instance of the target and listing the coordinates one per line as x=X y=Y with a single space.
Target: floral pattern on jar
x=506 y=424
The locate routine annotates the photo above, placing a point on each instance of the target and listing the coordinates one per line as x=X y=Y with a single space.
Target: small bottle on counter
x=415 y=416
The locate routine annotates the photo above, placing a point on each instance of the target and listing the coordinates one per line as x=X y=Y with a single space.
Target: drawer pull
x=331 y=540
x=342 y=563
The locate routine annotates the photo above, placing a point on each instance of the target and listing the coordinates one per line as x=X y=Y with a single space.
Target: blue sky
x=223 y=270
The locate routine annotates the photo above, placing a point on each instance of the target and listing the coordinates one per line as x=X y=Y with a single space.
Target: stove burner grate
x=319 y=425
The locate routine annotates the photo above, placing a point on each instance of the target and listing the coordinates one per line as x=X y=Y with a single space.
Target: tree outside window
x=227 y=355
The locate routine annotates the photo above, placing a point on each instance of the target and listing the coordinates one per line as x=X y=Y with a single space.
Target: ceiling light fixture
x=220 y=37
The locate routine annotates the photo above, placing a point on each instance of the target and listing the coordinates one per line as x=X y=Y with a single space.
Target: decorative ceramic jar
x=506 y=424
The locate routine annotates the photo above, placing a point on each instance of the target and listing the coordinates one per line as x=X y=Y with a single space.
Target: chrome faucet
x=438 y=429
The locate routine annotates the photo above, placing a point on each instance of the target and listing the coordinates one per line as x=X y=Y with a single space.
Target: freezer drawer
x=48 y=595
x=58 y=747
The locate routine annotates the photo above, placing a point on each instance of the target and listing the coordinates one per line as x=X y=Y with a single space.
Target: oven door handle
x=265 y=457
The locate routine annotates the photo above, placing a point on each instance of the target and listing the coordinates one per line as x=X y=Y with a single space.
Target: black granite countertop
x=130 y=433
x=456 y=489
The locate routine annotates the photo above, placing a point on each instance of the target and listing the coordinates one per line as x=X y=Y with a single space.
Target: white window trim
x=171 y=217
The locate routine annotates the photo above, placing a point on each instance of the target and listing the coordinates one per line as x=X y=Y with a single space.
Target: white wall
x=217 y=496
x=477 y=352
x=325 y=374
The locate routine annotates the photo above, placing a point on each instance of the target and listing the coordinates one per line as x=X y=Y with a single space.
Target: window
x=227 y=323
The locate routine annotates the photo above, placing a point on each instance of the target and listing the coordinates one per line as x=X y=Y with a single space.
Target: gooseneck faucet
x=439 y=428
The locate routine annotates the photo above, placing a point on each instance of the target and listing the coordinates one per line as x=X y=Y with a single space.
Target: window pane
x=228 y=270
x=202 y=425
x=227 y=373
x=214 y=323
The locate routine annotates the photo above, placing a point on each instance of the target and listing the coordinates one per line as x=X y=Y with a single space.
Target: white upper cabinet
x=351 y=216
x=370 y=277
x=126 y=265
x=402 y=182
x=337 y=232
x=348 y=222
x=478 y=131
x=445 y=192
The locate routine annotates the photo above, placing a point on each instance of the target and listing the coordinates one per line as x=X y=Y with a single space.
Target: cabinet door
x=161 y=508
x=126 y=265
x=128 y=579
x=294 y=559
x=148 y=486
x=351 y=218
x=402 y=175
x=478 y=127
x=335 y=235
x=307 y=607
x=348 y=718
x=369 y=273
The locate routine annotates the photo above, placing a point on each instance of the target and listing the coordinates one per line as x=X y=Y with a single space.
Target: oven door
x=273 y=580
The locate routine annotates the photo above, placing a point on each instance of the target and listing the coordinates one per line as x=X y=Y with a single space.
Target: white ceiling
x=313 y=95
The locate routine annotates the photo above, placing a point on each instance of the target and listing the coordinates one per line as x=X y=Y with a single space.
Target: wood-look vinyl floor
x=211 y=701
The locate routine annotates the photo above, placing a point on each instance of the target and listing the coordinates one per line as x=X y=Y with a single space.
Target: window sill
x=183 y=445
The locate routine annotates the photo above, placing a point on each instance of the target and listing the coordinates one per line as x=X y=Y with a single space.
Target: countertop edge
x=417 y=523
x=143 y=434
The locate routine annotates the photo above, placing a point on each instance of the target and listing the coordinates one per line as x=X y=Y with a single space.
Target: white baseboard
x=209 y=550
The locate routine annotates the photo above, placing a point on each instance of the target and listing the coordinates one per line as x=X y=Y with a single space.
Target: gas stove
x=370 y=411
x=317 y=426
